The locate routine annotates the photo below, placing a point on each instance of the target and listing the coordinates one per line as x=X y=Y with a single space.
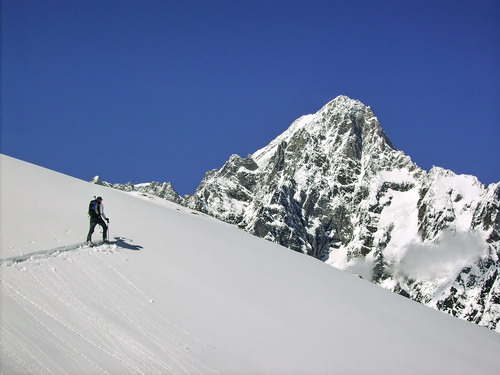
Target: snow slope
x=180 y=292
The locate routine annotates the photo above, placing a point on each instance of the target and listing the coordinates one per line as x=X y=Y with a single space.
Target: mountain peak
x=345 y=102
x=333 y=186
x=345 y=106
x=343 y=128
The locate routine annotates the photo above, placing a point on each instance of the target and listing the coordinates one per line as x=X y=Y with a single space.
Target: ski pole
x=108 y=235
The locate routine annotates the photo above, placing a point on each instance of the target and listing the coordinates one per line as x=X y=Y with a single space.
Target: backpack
x=92 y=209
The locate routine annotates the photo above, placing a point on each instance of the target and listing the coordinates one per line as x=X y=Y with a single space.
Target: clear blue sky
x=166 y=90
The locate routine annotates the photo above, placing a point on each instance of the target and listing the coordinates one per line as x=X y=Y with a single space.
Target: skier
x=97 y=217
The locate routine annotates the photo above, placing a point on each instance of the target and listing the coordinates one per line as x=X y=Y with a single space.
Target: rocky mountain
x=163 y=190
x=334 y=187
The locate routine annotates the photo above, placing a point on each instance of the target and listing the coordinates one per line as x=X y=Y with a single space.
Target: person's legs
x=91 y=230
x=104 y=229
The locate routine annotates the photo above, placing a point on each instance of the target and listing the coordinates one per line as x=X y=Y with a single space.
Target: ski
x=95 y=244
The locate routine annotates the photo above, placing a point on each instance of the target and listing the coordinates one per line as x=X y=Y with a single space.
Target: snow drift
x=180 y=292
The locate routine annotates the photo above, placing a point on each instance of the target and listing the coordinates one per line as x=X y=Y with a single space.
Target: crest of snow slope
x=182 y=293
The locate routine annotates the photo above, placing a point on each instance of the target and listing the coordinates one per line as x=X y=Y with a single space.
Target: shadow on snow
x=122 y=243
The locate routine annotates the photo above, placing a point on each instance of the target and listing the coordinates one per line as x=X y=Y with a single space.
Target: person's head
x=99 y=199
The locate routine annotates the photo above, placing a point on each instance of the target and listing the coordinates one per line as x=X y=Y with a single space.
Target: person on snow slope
x=97 y=217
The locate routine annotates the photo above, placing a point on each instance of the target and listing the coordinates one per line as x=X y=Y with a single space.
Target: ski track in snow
x=42 y=254
x=86 y=329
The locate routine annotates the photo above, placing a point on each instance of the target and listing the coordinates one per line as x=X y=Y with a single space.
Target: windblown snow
x=183 y=293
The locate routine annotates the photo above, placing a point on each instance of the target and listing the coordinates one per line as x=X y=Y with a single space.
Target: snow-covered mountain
x=181 y=292
x=163 y=190
x=334 y=187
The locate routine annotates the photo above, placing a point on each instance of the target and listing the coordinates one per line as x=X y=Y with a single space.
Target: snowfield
x=182 y=293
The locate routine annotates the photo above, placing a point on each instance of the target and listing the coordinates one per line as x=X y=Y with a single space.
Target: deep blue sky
x=166 y=90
